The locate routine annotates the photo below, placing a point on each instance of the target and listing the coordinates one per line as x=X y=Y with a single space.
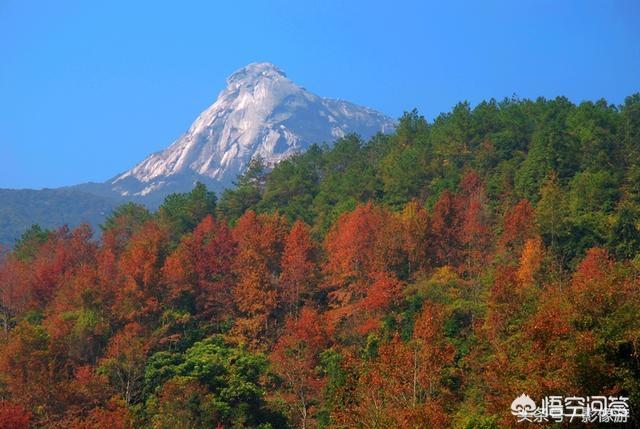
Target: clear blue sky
x=88 y=88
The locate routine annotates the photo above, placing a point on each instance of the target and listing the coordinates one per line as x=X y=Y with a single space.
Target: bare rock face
x=260 y=113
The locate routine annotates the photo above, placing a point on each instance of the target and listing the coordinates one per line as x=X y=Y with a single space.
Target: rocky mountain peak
x=260 y=113
x=255 y=71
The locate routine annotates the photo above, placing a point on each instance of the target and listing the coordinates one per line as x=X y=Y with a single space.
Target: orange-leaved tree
x=199 y=272
x=361 y=268
x=260 y=240
x=299 y=277
x=295 y=358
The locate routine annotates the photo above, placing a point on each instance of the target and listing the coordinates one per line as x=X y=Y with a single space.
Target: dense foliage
x=421 y=279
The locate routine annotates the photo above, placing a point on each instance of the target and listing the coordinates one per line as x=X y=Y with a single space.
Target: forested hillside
x=421 y=279
x=49 y=208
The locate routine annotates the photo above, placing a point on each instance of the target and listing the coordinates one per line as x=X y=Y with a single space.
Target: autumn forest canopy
x=420 y=279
